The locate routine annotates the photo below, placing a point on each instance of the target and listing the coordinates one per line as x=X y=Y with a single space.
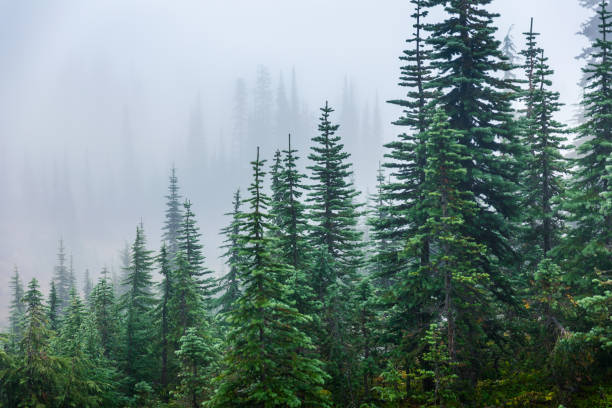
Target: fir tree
x=87 y=285
x=53 y=314
x=229 y=284
x=544 y=164
x=189 y=244
x=137 y=304
x=173 y=220
x=16 y=309
x=509 y=51
x=61 y=277
x=334 y=216
x=163 y=317
x=290 y=217
x=589 y=246
x=407 y=155
x=478 y=104
x=106 y=318
x=264 y=365
x=333 y=211
x=70 y=340
x=196 y=355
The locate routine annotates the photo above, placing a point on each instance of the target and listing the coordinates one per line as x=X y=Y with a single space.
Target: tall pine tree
x=264 y=365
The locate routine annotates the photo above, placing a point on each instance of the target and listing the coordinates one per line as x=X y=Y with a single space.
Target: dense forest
x=479 y=273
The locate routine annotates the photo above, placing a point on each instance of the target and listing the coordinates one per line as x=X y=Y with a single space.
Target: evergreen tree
x=196 y=355
x=53 y=314
x=137 y=304
x=173 y=220
x=87 y=285
x=544 y=164
x=333 y=211
x=16 y=309
x=264 y=365
x=163 y=317
x=276 y=187
x=189 y=243
x=478 y=104
x=509 y=51
x=334 y=216
x=186 y=305
x=61 y=277
x=588 y=248
x=290 y=218
x=407 y=155
x=469 y=63
x=70 y=340
x=105 y=315
x=229 y=284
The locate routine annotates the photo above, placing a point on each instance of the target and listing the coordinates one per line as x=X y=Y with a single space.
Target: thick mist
x=99 y=99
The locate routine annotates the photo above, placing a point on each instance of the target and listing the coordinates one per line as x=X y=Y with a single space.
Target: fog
x=98 y=99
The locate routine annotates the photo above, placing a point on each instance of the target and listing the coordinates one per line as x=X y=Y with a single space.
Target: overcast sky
x=78 y=76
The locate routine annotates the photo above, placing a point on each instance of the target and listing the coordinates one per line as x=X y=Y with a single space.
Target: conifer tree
x=334 y=216
x=333 y=211
x=588 y=248
x=163 y=317
x=509 y=50
x=196 y=356
x=457 y=267
x=70 y=339
x=53 y=314
x=87 y=285
x=61 y=277
x=276 y=187
x=229 y=284
x=137 y=304
x=38 y=383
x=173 y=220
x=189 y=244
x=106 y=318
x=406 y=157
x=16 y=309
x=186 y=305
x=264 y=365
x=289 y=214
x=544 y=164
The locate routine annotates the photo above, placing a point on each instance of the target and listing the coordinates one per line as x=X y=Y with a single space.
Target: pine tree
x=544 y=164
x=276 y=187
x=457 y=267
x=509 y=51
x=87 y=285
x=61 y=277
x=196 y=356
x=407 y=155
x=137 y=304
x=70 y=340
x=588 y=248
x=53 y=315
x=163 y=318
x=264 y=365
x=189 y=244
x=16 y=309
x=39 y=373
x=334 y=216
x=105 y=314
x=333 y=211
x=173 y=220
x=229 y=284
x=186 y=305
x=290 y=218
x=478 y=104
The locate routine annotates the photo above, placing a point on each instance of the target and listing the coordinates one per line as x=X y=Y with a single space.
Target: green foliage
x=264 y=365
